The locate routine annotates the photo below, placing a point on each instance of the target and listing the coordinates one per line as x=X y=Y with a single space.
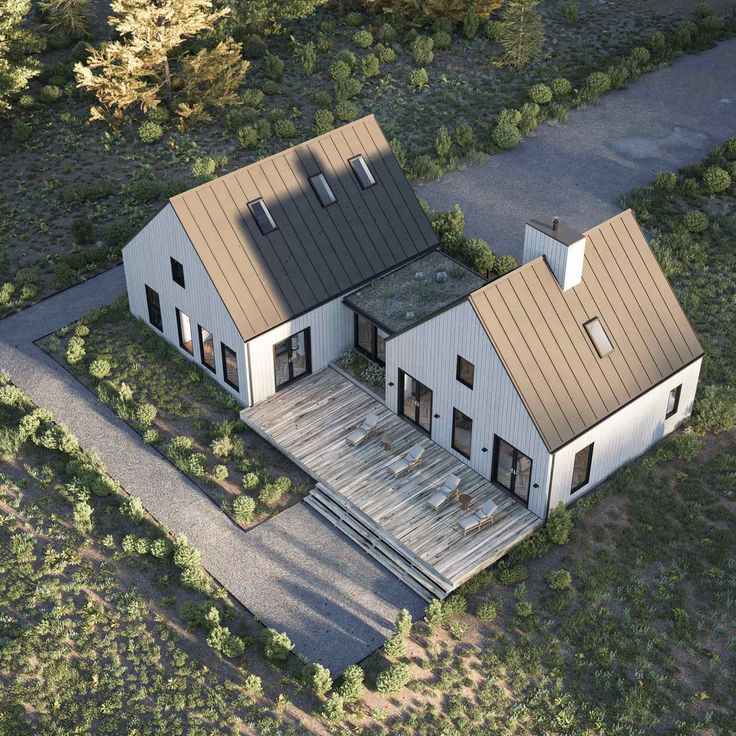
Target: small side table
x=464 y=501
x=386 y=445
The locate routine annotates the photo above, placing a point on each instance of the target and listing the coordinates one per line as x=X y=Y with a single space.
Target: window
x=177 y=272
x=207 y=349
x=465 y=371
x=462 y=432
x=230 y=367
x=184 y=326
x=262 y=216
x=154 y=308
x=362 y=172
x=673 y=402
x=598 y=337
x=322 y=190
x=369 y=340
x=581 y=468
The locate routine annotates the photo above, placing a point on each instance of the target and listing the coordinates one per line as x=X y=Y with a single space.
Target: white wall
x=146 y=262
x=331 y=335
x=566 y=261
x=625 y=435
x=428 y=352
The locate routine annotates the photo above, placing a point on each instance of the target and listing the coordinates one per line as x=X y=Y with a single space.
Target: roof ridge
x=506 y=276
x=618 y=216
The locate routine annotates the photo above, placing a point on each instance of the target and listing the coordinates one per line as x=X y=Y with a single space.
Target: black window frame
x=677 y=390
x=318 y=193
x=591 y=449
x=178 y=329
x=213 y=367
x=158 y=324
x=224 y=349
x=455 y=412
x=358 y=172
x=270 y=222
x=457 y=372
x=177 y=272
x=373 y=352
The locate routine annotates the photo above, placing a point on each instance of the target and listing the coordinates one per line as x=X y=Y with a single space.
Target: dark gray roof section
x=563 y=234
x=316 y=253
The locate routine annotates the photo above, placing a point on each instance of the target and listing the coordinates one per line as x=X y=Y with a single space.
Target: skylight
x=262 y=216
x=322 y=190
x=362 y=172
x=598 y=337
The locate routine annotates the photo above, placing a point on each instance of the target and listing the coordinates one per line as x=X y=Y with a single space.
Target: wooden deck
x=308 y=422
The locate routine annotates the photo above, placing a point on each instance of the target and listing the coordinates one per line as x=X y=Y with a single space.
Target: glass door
x=415 y=401
x=512 y=469
x=292 y=358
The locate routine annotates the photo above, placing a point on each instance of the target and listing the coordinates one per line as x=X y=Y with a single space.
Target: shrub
x=308 y=55
x=529 y=117
x=397 y=148
x=385 y=54
x=596 y=84
x=273 y=67
x=340 y=70
x=244 y=509
x=51 y=93
x=363 y=39
x=75 y=351
x=150 y=132
x=394 y=679
x=523 y=609
x=132 y=507
x=421 y=50
x=318 y=678
x=695 y=221
x=347 y=88
x=158 y=115
x=715 y=410
x=250 y=481
x=703 y=10
x=458 y=629
x=559 y=580
x=443 y=144
x=664 y=182
x=248 y=137
x=619 y=75
x=271 y=493
x=284 y=128
x=425 y=166
x=442 y=39
x=118 y=231
x=561 y=87
x=713 y=24
x=276 y=646
x=83 y=516
x=222 y=446
x=403 y=623
x=370 y=66
x=559 y=524
x=419 y=78
x=145 y=414
x=512 y=574
x=471 y=22
x=269 y=87
x=354 y=18
x=151 y=436
x=478 y=255
x=220 y=472
x=493 y=30
x=540 y=94
x=252 y=685
x=638 y=58
x=684 y=34
x=385 y=33
x=716 y=179
x=351 y=688
x=333 y=711
x=488 y=612
x=465 y=136
x=394 y=646
x=729 y=149
x=21 y=131
x=570 y=11
x=506 y=136
x=204 y=168
x=186 y=557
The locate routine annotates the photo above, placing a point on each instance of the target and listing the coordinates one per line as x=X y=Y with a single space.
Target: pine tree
x=17 y=67
x=66 y=16
x=521 y=33
x=419 y=12
x=149 y=64
x=268 y=16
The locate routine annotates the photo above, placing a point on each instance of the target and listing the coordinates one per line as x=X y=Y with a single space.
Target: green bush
x=715 y=409
x=559 y=580
x=465 y=136
x=385 y=54
x=150 y=132
x=394 y=679
x=119 y=231
x=394 y=646
x=244 y=509
x=442 y=40
x=639 y=57
x=512 y=574
x=506 y=136
x=248 y=137
x=540 y=94
x=716 y=179
x=529 y=117
x=185 y=557
x=276 y=646
x=493 y=30
x=385 y=33
x=220 y=472
x=75 y=351
x=664 y=182
x=333 y=711
x=352 y=689
x=346 y=111
x=713 y=25
x=145 y=414
x=596 y=84
x=158 y=115
x=273 y=67
x=703 y=10
x=425 y=166
x=685 y=33
x=250 y=480
x=272 y=493
x=340 y=70
x=81 y=329
x=488 y=612
x=561 y=87
x=345 y=89
x=132 y=507
x=419 y=78
x=471 y=22
x=269 y=87
x=318 y=678
x=421 y=50
x=523 y=609
x=354 y=18
x=729 y=149
x=21 y=131
x=695 y=221
x=559 y=524
x=151 y=436
x=443 y=144
x=254 y=47
x=570 y=11
x=403 y=623
x=346 y=56
x=619 y=75
x=478 y=255
x=51 y=93
x=82 y=230
x=284 y=129
x=370 y=66
x=363 y=39
x=252 y=685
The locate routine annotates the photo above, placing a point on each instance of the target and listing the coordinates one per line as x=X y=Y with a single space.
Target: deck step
x=341 y=516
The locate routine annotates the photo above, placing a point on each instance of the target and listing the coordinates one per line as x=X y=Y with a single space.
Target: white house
x=544 y=381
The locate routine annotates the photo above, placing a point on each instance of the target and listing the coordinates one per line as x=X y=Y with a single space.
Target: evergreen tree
x=268 y=16
x=520 y=33
x=66 y=16
x=16 y=45
x=149 y=64
x=420 y=12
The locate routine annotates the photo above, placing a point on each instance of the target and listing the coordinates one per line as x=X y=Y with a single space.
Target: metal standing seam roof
x=537 y=330
x=317 y=253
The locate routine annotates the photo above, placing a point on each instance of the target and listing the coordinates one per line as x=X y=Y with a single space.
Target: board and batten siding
x=428 y=352
x=625 y=435
x=331 y=334
x=146 y=260
x=566 y=261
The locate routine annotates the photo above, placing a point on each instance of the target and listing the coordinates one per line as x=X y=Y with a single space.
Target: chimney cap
x=555 y=229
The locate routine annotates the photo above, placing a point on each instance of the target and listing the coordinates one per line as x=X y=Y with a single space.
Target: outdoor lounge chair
x=450 y=489
x=412 y=459
x=478 y=519
x=360 y=434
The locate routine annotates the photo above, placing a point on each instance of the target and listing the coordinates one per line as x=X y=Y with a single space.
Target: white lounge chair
x=412 y=459
x=360 y=434
x=450 y=489
x=477 y=519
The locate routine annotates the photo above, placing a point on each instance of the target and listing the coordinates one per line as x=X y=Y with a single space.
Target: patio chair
x=478 y=519
x=450 y=489
x=410 y=461
x=361 y=433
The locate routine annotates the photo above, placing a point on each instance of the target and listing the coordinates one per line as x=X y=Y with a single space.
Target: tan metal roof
x=537 y=330
x=317 y=253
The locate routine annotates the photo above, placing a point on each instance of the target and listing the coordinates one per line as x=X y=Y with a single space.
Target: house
x=544 y=381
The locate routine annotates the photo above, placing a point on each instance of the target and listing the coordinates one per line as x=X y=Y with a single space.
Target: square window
x=465 y=371
x=262 y=216
x=581 y=468
x=362 y=172
x=462 y=433
x=177 y=272
x=673 y=401
x=598 y=337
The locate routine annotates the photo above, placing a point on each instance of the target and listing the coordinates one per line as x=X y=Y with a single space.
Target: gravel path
x=667 y=119
x=294 y=572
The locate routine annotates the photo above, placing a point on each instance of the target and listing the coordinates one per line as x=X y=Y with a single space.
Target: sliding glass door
x=415 y=401
x=512 y=469
x=292 y=358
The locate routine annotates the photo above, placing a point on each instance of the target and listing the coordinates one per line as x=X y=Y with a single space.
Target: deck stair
x=357 y=527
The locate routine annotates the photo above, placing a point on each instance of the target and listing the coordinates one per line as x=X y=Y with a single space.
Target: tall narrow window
x=465 y=371
x=207 y=349
x=581 y=468
x=154 y=308
x=262 y=216
x=322 y=189
x=230 y=367
x=462 y=432
x=184 y=326
x=673 y=401
x=177 y=272
x=362 y=172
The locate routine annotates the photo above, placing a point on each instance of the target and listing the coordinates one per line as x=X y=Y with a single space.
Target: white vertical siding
x=331 y=332
x=625 y=435
x=147 y=262
x=566 y=261
x=428 y=352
